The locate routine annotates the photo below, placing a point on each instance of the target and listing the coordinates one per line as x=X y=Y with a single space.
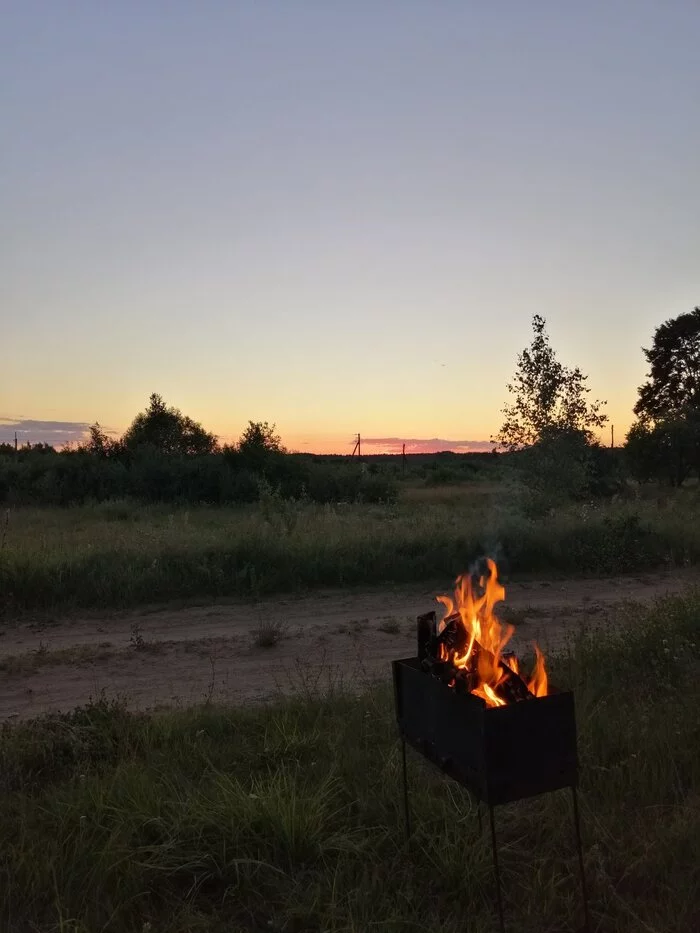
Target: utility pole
x=612 y=435
x=15 y=441
x=403 y=458
x=357 y=448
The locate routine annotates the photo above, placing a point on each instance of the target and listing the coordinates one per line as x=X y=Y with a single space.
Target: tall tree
x=168 y=430
x=259 y=448
x=260 y=436
x=664 y=443
x=672 y=388
x=98 y=442
x=550 y=399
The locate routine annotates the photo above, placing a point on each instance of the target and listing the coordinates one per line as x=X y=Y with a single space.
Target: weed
x=268 y=634
x=136 y=639
x=139 y=643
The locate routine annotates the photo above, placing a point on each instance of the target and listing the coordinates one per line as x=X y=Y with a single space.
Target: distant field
x=288 y=818
x=119 y=554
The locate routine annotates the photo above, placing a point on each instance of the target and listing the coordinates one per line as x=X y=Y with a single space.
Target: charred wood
x=451 y=640
x=427 y=630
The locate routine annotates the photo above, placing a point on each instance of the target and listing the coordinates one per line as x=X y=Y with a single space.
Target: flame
x=538 y=683
x=486 y=693
x=486 y=637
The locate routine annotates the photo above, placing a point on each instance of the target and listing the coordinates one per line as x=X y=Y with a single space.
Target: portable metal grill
x=500 y=754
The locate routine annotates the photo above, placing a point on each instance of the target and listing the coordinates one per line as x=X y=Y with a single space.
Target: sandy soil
x=170 y=657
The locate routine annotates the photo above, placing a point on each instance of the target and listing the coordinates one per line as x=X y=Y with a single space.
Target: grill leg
x=496 y=872
x=406 y=811
x=582 y=871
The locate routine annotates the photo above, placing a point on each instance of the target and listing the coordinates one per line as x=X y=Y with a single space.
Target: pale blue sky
x=298 y=211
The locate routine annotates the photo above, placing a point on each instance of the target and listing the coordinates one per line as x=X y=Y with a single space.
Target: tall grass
x=119 y=554
x=288 y=818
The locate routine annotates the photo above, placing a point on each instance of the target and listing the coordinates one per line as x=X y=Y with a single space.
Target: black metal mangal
x=500 y=754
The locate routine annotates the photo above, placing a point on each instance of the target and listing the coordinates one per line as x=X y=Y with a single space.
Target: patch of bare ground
x=238 y=652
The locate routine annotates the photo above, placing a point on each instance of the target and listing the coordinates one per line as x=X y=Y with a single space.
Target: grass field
x=289 y=818
x=119 y=554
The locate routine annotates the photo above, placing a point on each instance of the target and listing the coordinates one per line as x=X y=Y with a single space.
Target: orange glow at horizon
x=343 y=444
x=329 y=444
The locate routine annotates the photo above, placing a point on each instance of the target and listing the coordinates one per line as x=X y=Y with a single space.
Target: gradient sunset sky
x=336 y=216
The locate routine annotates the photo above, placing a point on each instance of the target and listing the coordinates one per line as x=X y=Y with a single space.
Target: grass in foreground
x=288 y=818
x=118 y=555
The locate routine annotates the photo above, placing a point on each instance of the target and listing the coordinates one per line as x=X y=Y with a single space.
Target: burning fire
x=470 y=643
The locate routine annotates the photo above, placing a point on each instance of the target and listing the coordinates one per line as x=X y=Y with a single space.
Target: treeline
x=165 y=456
x=551 y=424
x=664 y=443
x=547 y=441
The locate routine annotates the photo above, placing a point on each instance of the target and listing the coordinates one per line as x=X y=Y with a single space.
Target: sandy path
x=209 y=651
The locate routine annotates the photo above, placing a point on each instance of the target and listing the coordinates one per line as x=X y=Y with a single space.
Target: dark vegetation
x=288 y=818
x=166 y=513
x=165 y=456
x=547 y=440
x=664 y=443
x=120 y=555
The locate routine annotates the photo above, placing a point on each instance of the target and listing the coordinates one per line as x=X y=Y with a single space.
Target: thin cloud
x=31 y=431
x=432 y=445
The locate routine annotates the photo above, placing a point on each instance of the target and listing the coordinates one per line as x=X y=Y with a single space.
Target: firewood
x=427 y=630
x=453 y=636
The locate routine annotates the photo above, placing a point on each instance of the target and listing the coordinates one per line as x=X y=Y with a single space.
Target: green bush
x=149 y=475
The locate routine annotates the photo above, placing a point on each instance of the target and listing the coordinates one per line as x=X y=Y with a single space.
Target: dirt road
x=174 y=657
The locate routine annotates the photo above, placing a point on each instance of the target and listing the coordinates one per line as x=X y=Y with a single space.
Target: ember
x=466 y=649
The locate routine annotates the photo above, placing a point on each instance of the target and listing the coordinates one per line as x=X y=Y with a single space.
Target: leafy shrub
x=376 y=489
x=618 y=544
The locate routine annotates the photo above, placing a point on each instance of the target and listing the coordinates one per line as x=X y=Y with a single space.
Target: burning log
x=453 y=635
x=465 y=650
x=511 y=688
x=427 y=628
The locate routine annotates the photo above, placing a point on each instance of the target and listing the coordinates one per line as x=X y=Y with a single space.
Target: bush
x=149 y=475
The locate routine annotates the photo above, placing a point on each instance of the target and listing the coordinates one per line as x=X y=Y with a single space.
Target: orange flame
x=538 y=683
x=487 y=637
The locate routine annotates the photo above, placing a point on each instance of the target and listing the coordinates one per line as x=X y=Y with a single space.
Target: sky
x=338 y=217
